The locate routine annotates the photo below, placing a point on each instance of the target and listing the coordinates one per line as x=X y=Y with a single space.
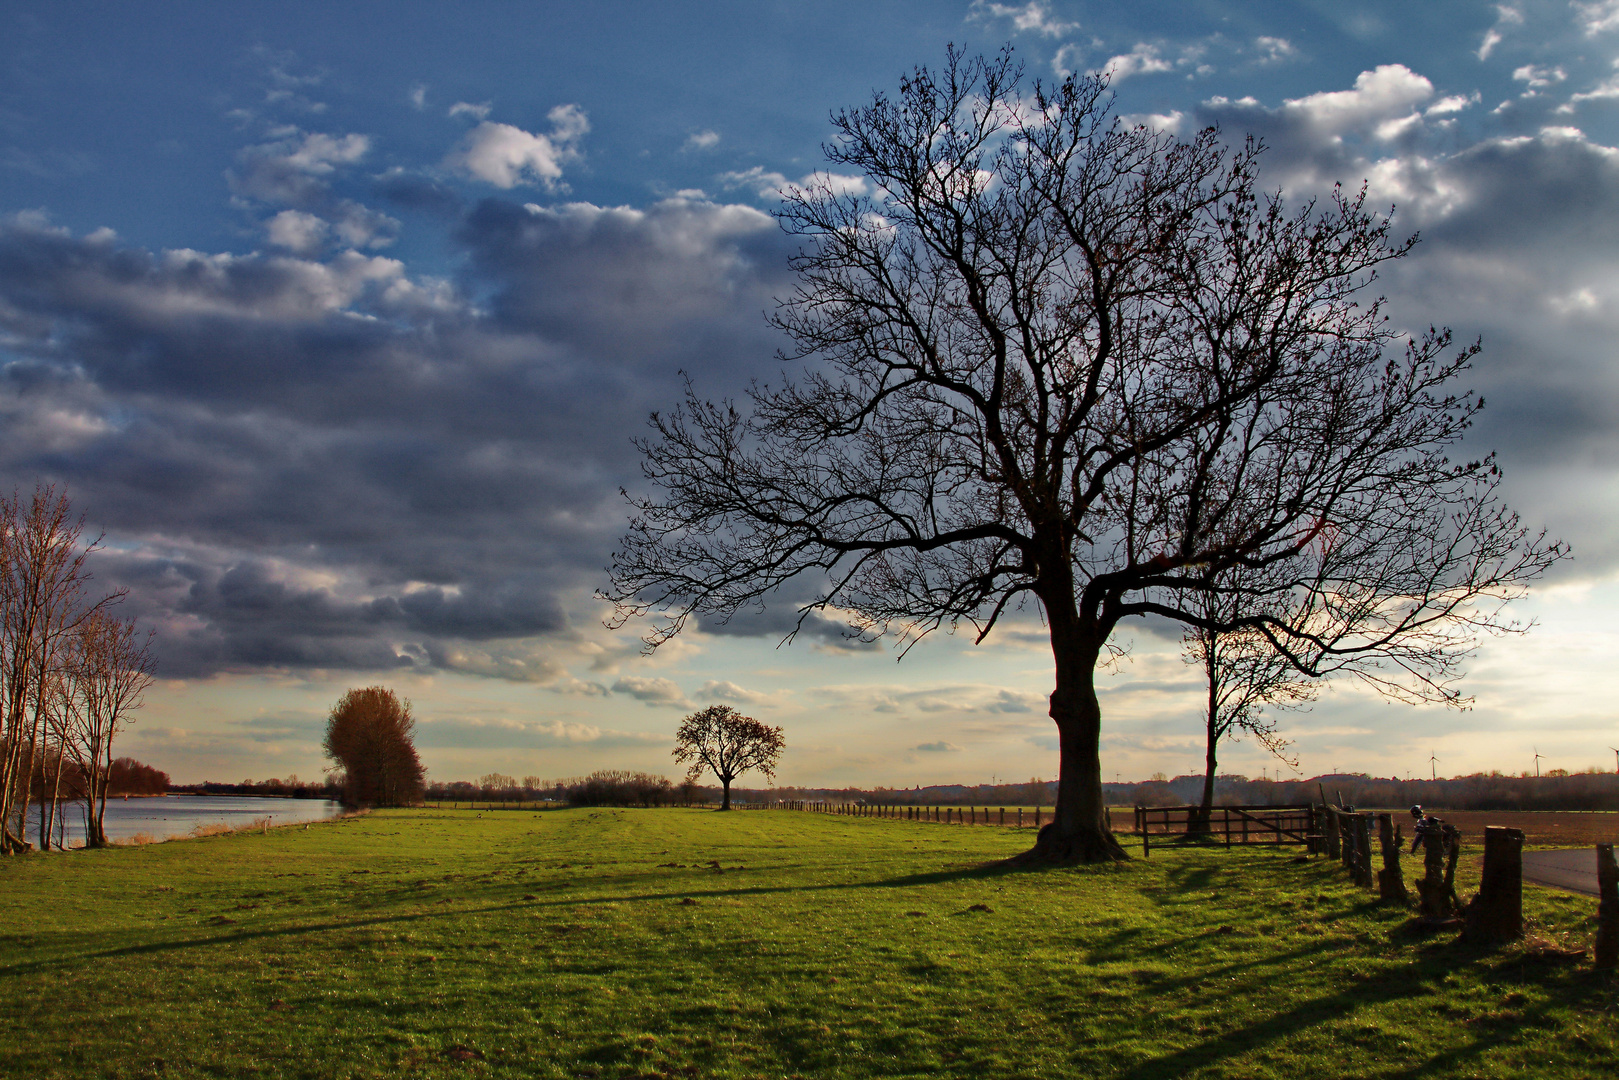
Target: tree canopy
x=721 y=740
x=370 y=735
x=1050 y=356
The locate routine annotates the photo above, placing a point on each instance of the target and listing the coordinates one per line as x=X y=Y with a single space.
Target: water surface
x=164 y=817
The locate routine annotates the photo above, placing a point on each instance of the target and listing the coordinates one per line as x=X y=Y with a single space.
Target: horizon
x=340 y=338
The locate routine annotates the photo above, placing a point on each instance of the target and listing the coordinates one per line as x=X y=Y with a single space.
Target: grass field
x=666 y=943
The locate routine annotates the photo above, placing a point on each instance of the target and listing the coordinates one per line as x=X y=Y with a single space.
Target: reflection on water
x=166 y=816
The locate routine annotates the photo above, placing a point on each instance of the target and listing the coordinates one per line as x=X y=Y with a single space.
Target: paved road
x=1574 y=869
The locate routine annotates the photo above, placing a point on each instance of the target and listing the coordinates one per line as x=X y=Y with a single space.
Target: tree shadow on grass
x=983 y=871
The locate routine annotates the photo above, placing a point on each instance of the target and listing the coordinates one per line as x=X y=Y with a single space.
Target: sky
x=337 y=321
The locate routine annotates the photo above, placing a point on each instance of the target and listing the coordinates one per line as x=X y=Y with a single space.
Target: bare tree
x=42 y=602
x=111 y=667
x=1245 y=676
x=721 y=740
x=1052 y=356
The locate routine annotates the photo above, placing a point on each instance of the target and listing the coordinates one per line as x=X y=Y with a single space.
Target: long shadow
x=982 y=871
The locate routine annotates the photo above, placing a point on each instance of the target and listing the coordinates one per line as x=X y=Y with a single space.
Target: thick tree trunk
x=725 y=800
x=1079 y=830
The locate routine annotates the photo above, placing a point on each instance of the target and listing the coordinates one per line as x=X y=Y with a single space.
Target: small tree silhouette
x=722 y=740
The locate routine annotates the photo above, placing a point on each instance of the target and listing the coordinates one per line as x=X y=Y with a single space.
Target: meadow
x=679 y=942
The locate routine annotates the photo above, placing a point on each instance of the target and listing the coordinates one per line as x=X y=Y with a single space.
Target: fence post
x=1020 y=817
x=1003 y=815
x=1607 y=943
x=1363 y=850
x=1037 y=816
x=1433 y=903
x=1390 y=883
x=1496 y=912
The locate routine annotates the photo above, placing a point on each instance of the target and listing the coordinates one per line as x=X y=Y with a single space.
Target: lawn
x=662 y=943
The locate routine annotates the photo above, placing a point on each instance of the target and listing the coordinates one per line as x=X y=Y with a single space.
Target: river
x=164 y=817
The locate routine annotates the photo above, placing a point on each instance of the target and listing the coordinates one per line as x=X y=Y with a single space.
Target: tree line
x=72 y=675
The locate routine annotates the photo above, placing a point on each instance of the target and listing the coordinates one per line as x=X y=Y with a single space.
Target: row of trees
x=71 y=674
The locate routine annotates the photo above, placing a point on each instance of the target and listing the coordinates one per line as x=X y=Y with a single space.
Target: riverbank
x=616 y=943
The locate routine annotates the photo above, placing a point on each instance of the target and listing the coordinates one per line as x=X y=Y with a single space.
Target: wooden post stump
x=1607 y=943
x=1361 y=826
x=1390 y=883
x=1432 y=902
x=1496 y=913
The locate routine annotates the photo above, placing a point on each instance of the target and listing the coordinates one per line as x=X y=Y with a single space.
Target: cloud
x=1274 y=50
x=300 y=233
x=940 y=747
x=1538 y=78
x=515 y=734
x=1033 y=17
x=418 y=96
x=652 y=691
x=702 y=140
x=1506 y=15
x=1597 y=18
x=324 y=462
x=773 y=185
x=466 y=108
x=717 y=690
x=292 y=170
x=1608 y=88
x=1142 y=60
x=1168 y=122
x=507 y=156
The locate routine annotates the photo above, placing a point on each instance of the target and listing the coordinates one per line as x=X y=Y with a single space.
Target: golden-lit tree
x=369 y=734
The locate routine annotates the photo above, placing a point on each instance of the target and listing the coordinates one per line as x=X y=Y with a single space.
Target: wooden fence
x=1016 y=817
x=1294 y=823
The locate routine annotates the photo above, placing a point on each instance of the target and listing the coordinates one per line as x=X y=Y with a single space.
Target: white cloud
x=418 y=96
x=654 y=691
x=1452 y=104
x=773 y=185
x=1274 y=49
x=1538 y=78
x=467 y=108
x=940 y=747
x=1142 y=60
x=1608 y=88
x=506 y=156
x=319 y=154
x=1033 y=17
x=1595 y=18
x=1505 y=15
x=1391 y=92
x=717 y=690
x=297 y=231
x=1169 y=122
x=702 y=140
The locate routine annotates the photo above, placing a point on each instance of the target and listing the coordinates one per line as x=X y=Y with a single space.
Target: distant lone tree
x=723 y=741
x=1057 y=360
x=369 y=735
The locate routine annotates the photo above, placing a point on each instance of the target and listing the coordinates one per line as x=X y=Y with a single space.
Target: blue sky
x=338 y=320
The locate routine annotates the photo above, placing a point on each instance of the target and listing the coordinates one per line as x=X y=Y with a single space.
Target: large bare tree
x=1051 y=356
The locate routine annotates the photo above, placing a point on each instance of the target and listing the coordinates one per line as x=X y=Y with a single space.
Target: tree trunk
x=1205 y=813
x=725 y=800
x=1079 y=830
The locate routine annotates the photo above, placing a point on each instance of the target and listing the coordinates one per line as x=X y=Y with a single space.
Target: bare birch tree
x=1055 y=358
x=43 y=601
x=111 y=669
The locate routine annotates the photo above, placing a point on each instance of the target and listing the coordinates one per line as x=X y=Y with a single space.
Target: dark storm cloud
x=326 y=463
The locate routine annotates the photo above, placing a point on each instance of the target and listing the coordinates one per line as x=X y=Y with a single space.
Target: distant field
x=682 y=943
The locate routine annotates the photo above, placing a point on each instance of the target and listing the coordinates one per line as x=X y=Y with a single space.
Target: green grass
x=442 y=944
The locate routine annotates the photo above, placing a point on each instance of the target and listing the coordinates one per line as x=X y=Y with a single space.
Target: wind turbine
x=1538 y=756
x=1615 y=750
x=1433 y=766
